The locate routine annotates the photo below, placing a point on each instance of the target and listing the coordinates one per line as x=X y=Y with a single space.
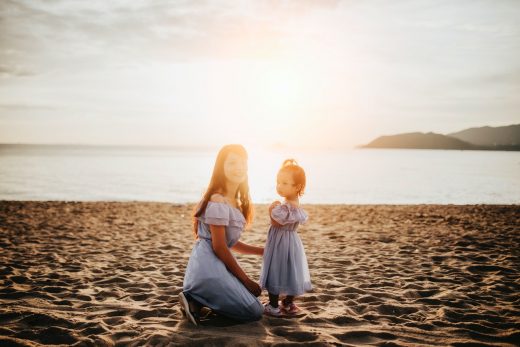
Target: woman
x=213 y=277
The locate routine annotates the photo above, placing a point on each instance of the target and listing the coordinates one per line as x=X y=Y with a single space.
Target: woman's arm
x=243 y=248
x=219 y=245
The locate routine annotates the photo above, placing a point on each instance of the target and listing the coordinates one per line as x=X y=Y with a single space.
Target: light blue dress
x=207 y=279
x=284 y=268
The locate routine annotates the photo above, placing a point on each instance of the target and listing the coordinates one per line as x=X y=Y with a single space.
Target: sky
x=308 y=74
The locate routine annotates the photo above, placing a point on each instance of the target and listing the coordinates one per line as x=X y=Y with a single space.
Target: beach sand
x=109 y=273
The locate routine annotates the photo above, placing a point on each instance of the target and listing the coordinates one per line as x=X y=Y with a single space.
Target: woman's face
x=235 y=168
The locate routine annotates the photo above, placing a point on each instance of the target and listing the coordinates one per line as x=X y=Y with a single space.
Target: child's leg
x=289 y=306
x=289 y=299
x=273 y=300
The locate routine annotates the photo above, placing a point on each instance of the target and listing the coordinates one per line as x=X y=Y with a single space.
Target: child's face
x=235 y=168
x=285 y=185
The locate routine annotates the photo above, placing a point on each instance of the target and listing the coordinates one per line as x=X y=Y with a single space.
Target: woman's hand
x=218 y=242
x=243 y=248
x=253 y=287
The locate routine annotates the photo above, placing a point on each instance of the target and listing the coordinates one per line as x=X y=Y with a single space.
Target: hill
x=490 y=136
x=419 y=141
x=505 y=138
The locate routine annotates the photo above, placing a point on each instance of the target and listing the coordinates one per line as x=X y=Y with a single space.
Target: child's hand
x=273 y=205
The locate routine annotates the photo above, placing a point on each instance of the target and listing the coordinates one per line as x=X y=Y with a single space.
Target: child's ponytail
x=289 y=162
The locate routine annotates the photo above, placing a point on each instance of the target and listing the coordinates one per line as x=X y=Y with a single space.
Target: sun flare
x=280 y=92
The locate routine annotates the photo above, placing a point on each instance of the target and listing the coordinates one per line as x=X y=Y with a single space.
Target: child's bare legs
x=273 y=300
x=289 y=306
x=272 y=308
x=289 y=299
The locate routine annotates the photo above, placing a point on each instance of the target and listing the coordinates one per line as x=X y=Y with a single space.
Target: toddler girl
x=285 y=270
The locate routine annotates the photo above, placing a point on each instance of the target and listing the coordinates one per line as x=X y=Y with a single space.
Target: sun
x=266 y=101
x=280 y=92
x=280 y=89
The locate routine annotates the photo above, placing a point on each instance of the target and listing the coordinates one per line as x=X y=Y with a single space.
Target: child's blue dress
x=207 y=279
x=285 y=269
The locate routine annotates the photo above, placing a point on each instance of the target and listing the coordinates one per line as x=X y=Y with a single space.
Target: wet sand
x=109 y=273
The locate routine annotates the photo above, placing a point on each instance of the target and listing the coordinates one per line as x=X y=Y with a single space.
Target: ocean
x=353 y=176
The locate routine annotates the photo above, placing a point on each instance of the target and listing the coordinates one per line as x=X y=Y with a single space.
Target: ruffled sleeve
x=288 y=214
x=219 y=213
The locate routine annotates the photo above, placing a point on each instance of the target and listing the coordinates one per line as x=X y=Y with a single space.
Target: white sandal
x=272 y=311
x=185 y=308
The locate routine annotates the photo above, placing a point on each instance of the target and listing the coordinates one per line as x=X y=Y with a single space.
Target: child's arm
x=273 y=205
x=283 y=214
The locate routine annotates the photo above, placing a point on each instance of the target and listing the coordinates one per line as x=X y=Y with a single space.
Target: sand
x=109 y=274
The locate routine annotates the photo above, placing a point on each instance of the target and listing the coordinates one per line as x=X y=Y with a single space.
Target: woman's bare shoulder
x=217 y=198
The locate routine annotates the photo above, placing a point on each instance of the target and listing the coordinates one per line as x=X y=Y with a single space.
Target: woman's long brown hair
x=217 y=184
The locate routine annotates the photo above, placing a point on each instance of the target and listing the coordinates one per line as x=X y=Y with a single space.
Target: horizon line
x=151 y=146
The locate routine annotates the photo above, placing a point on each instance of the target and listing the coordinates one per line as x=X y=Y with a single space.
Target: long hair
x=297 y=172
x=217 y=184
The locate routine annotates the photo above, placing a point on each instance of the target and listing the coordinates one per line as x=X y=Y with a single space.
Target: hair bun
x=289 y=162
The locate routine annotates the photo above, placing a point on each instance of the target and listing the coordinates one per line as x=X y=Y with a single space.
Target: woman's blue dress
x=207 y=279
x=285 y=269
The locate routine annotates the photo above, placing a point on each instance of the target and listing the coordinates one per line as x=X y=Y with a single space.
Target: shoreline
x=259 y=204
x=105 y=273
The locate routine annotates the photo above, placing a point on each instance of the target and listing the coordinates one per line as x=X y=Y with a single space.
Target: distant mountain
x=486 y=138
x=419 y=141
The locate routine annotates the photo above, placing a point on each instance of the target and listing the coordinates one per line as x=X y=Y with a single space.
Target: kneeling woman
x=213 y=277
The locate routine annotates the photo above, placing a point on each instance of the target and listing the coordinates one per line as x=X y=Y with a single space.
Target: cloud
x=30 y=112
x=25 y=107
x=401 y=60
x=14 y=70
x=65 y=31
